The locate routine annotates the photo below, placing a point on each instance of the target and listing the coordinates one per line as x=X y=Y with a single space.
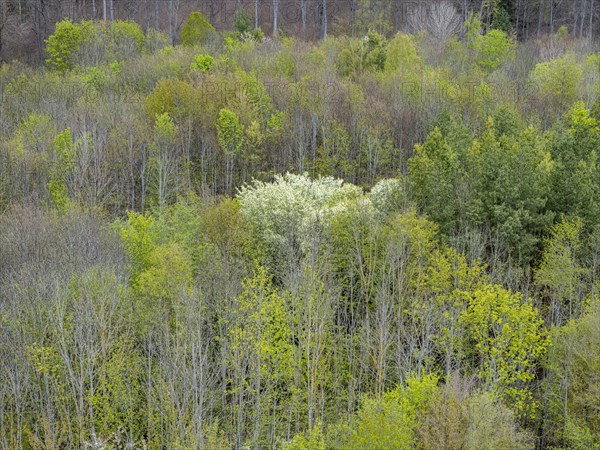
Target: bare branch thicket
x=439 y=20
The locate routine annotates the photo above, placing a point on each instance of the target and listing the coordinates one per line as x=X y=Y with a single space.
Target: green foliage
x=506 y=331
x=511 y=186
x=571 y=389
x=501 y=20
x=574 y=181
x=139 y=236
x=169 y=273
x=457 y=418
x=494 y=49
x=560 y=273
x=65 y=159
x=472 y=28
x=230 y=132
x=260 y=351
x=203 y=63
x=366 y=53
x=63 y=44
x=126 y=40
x=558 y=80
x=173 y=97
x=242 y=22
x=311 y=440
x=388 y=422
x=197 y=30
x=434 y=177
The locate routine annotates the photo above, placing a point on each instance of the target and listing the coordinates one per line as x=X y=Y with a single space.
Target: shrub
x=203 y=63
x=197 y=30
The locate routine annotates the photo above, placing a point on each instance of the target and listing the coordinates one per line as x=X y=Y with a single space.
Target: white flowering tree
x=286 y=213
x=388 y=197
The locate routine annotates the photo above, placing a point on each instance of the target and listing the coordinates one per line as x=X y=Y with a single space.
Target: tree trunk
x=303 y=14
x=156 y=14
x=275 y=16
x=324 y=20
x=256 y=14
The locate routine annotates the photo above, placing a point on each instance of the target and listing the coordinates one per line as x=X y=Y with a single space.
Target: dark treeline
x=386 y=240
x=25 y=24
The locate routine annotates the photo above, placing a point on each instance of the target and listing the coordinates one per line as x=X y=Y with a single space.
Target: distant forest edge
x=25 y=24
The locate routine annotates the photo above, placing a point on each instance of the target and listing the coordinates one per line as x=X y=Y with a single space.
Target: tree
x=259 y=359
x=388 y=422
x=197 y=30
x=164 y=155
x=434 y=177
x=282 y=214
x=560 y=273
x=63 y=44
x=230 y=134
x=575 y=176
x=494 y=49
x=65 y=156
x=571 y=389
x=557 y=80
x=508 y=340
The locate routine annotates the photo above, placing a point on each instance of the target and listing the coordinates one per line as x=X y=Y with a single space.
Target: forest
x=378 y=237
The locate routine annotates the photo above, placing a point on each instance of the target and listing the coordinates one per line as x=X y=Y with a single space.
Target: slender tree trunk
x=540 y=16
x=324 y=20
x=156 y=14
x=275 y=16
x=583 y=5
x=591 y=28
x=104 y=10
x=256 y=14
x=171 y=30
x=303 y=14
x=147 y=16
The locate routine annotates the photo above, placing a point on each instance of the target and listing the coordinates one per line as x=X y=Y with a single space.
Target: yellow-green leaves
x=560 y=274
x=202 y=63
x=508 y=338
x=558 y=79
x=390 y=422
x=62 y=45
x=230 y=132
x=197 y=30
x=494 y=49
x=63 y=146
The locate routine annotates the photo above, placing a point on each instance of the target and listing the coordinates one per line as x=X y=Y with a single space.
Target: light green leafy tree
x=509 y=340
x=259 y=358
x=63 y=44
x=560 y=274
x=65 y=160
x=389 y=422
x=558 y=80
x=494 y=49
x=572 y=387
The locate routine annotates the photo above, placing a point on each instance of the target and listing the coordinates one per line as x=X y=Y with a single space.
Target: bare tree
x=441 y=21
